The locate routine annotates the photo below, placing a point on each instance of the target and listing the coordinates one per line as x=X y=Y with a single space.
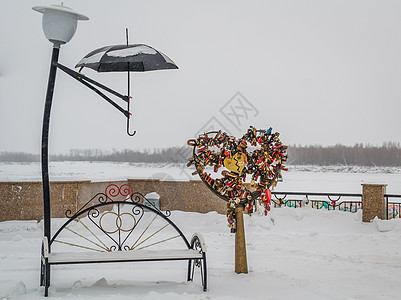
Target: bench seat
x=122 y=256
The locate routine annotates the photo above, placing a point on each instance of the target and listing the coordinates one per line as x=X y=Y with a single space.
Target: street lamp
x=59 y=24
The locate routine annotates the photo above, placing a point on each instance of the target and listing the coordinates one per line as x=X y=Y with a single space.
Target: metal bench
x=111 y=230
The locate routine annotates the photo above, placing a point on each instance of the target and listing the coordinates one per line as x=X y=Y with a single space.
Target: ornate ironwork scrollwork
x=113 y=191
x=110 y=217
x=102 y=198
x=99 y=198
x=138 y=197
x=68 y=213
x=137 y=210
x=117 y=226
x=119 y=222
x=94 y=213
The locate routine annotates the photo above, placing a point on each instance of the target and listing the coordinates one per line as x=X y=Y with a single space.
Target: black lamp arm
x=88 y=83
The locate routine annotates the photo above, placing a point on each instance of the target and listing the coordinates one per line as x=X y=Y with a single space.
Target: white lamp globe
x=59 y=22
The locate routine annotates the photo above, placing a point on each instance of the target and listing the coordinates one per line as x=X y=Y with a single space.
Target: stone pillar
x=373 y=202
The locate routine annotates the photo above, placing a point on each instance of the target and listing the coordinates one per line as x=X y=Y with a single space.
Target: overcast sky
x=319 y=72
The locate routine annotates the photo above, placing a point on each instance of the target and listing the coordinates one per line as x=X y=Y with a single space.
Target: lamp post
x=59 y=24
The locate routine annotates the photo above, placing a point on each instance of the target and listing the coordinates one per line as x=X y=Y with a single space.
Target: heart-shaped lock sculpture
x=258 y=153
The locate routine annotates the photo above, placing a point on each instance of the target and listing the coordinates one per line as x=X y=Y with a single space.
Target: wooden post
x=241 y=265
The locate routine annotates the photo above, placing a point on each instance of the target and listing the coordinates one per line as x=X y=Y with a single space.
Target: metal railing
x=330 y=201
x=393 y=208
x=333 y=201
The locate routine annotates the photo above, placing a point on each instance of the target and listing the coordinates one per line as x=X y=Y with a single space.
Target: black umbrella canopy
x=119 y=58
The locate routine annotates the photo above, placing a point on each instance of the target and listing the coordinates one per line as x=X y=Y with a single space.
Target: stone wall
x=181 y=195
x=23 y=200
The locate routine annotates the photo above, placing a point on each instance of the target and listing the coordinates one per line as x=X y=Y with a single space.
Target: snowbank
x=292 y=254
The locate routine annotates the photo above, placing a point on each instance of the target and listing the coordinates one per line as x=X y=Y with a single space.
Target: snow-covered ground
x=292 y=254
x=338 y=179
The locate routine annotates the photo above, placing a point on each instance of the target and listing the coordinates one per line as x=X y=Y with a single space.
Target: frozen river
x=332 y=179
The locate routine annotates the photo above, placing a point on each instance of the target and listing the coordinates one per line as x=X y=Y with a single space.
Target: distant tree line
x=19 y=157
x=167 y=155
x=389 y=154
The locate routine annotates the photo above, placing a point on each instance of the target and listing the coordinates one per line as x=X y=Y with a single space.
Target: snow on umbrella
x=135 y=57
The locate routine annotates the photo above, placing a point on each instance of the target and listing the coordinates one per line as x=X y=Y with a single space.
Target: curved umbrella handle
x=130 y=134
x=129 y=116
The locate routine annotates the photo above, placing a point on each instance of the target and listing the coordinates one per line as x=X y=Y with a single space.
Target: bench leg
x=42 y=273
x=47 y=278
x=190 y=276
x=204 y=273
x=198 y=243
x=200 y=263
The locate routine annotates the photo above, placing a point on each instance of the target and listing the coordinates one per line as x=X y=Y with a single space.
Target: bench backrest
x=118 y=220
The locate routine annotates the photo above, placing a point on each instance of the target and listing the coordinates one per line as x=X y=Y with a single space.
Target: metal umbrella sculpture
x=223 y=163
x=120 y=58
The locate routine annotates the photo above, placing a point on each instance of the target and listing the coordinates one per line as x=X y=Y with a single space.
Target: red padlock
x=201 y=149
x=268 y=194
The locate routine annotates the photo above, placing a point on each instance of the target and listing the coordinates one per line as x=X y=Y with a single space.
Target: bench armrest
x=198 y=242
x=45 y=247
